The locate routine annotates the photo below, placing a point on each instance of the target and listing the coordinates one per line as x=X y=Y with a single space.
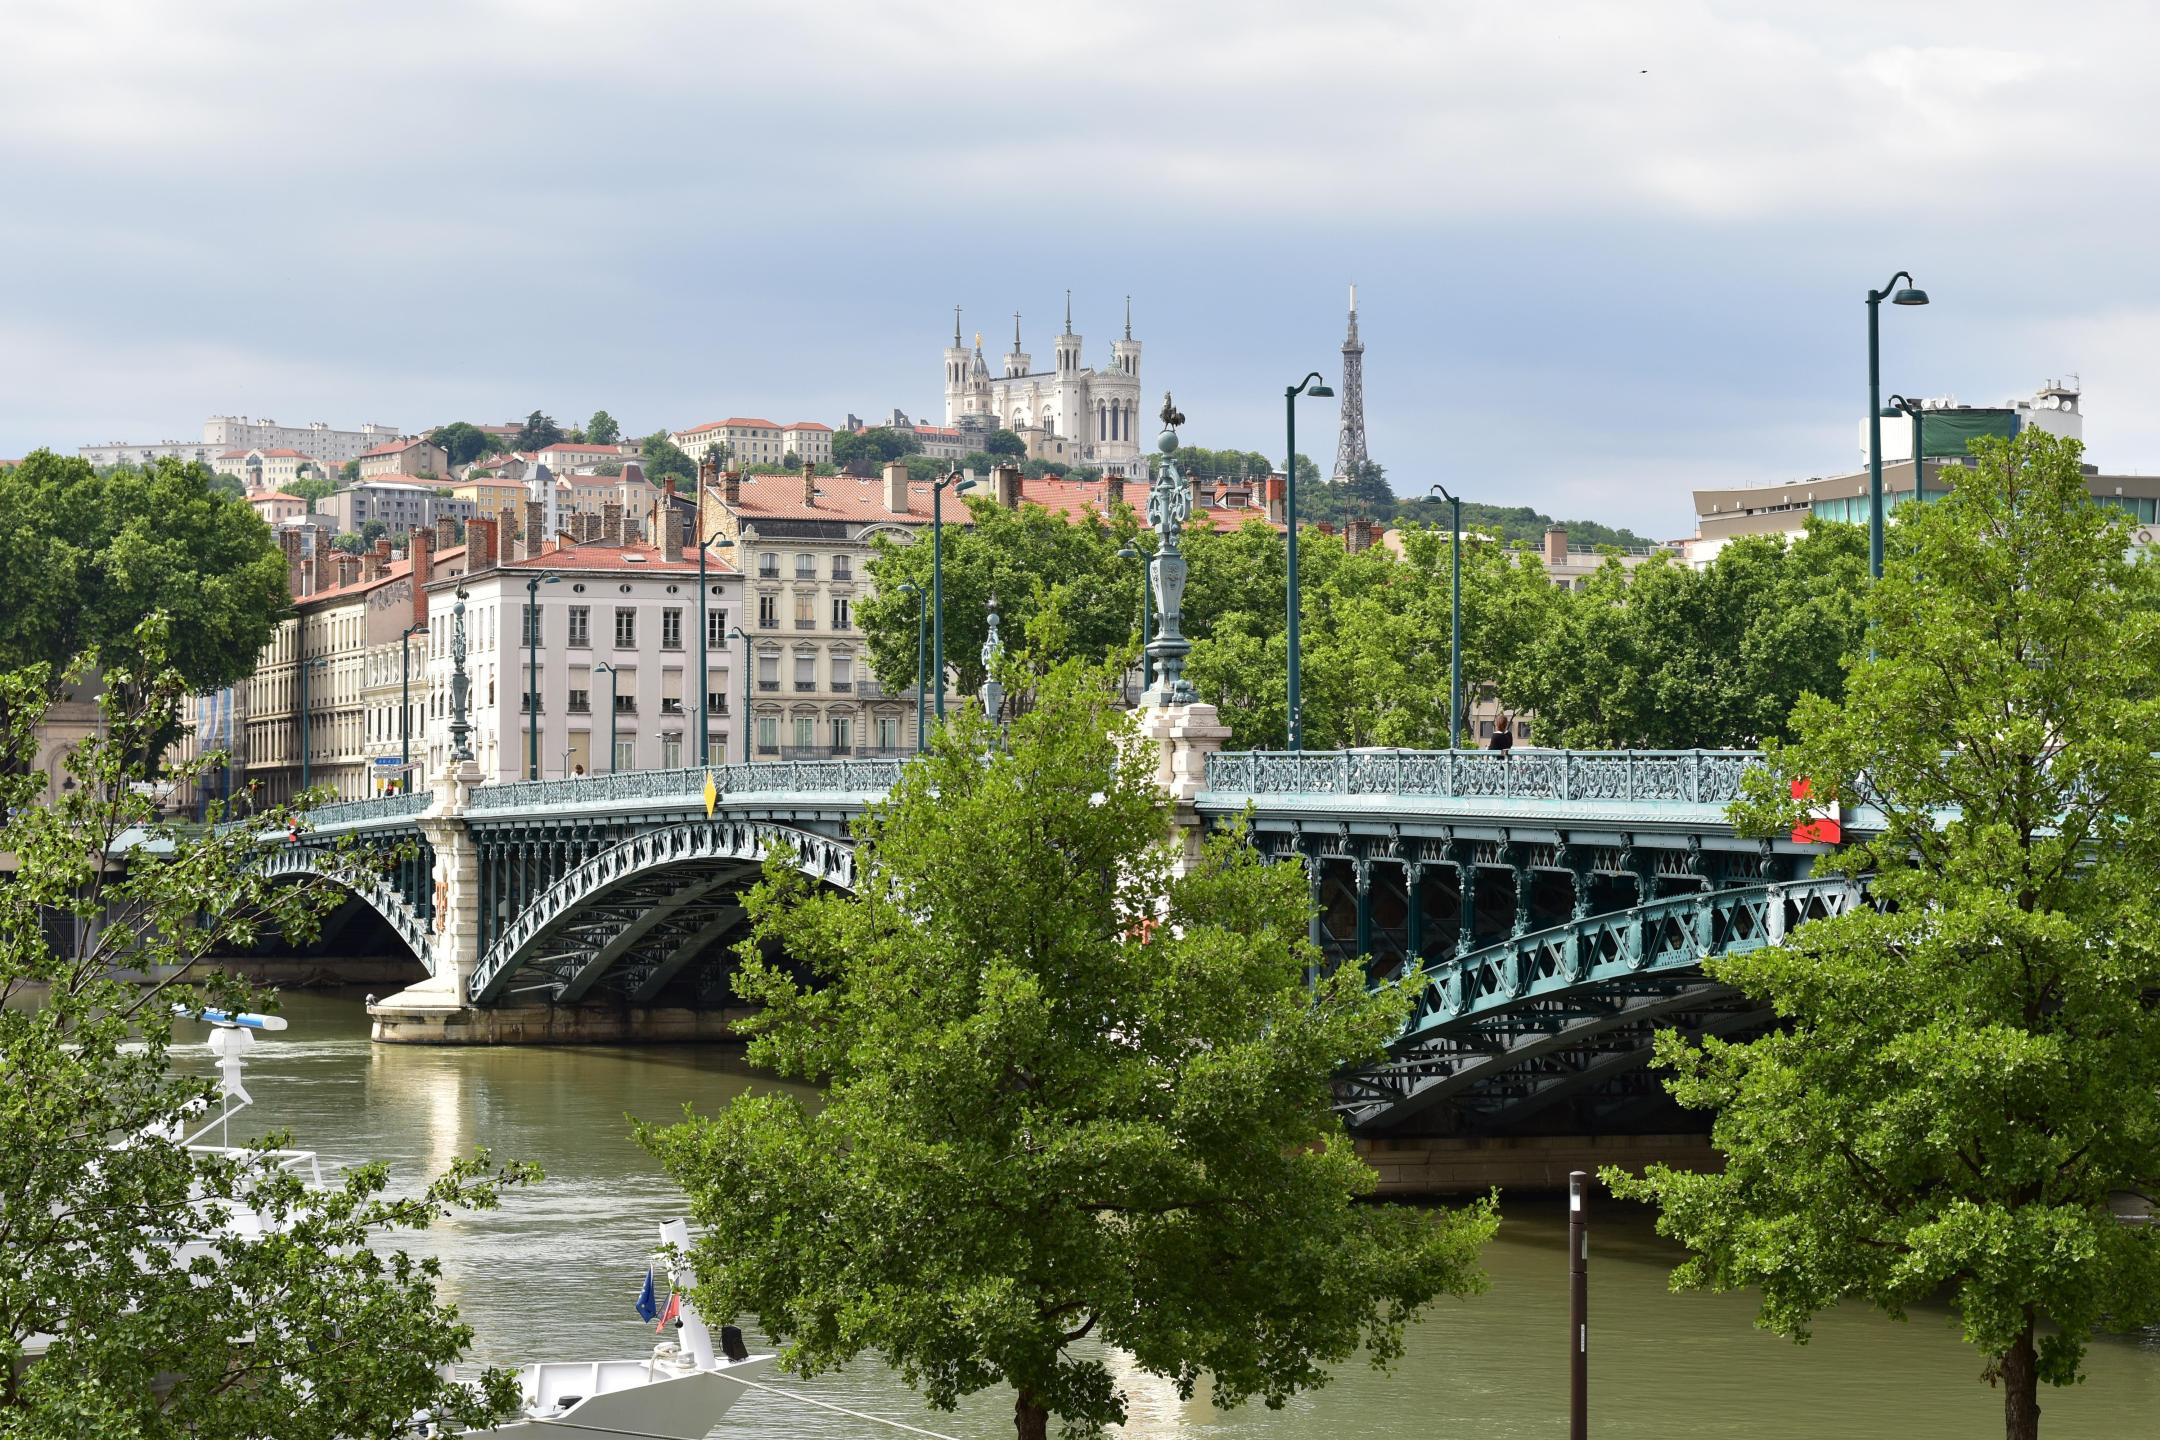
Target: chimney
x=588 y=527
x=1005 y=485
x=1113 y=492
x=381 y=557
x=896 y=482
x=611 y=524
x=1357 y=534
x=304 y=577
x=633 y=472
x=506 y=529
x=480 y=536
x=423 y=570
x=445 y=533
x=668 y=528
x=731 y=488
x=809 y=484
x=1276 y=488
x=535 y=533
x=1556 y=545
x=348 y=568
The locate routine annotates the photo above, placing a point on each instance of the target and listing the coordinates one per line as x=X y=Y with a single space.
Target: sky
x=1604 y=252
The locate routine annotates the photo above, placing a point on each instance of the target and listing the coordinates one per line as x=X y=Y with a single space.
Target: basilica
x=1080 y=416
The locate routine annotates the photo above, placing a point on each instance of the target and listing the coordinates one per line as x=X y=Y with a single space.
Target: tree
x=464 y=442
x=537 y=433
x=310 y=490
x=1074 y=1094
x=349 y=473
x=662 y=457
x=1969 y=1069
x=874 y=446
x=90 y=555
x=602 y=429
x=316 y=1328
x=1005 y=442
x=348 y=541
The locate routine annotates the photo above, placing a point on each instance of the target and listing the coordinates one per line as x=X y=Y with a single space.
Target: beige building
x=397 y=505
x=264 y=469
x=807 y=441
x=276 y=507
x=315 y=441
x=749 y=440
x=409 y=456
x=568 y=455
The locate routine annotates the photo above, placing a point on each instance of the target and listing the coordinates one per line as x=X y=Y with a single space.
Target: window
x=805 y=732
x=715 y=628
x=525 y=705
x=806 y=567
x=768 y=733
x=768 y=567
x=716 y=702
x=625 y=627
x=840 y=613
x=842 y=568
x=671 y=752
x=843 y=673
x=768 y=612
x=805 y=610
x=626 y=704
x=626 y=753
x=530 y=634
x=768 y=672
x=671 y=629
x=805 y=673
x=888 y=732
x=843 y=734
x=581 y=702
x=671 y=705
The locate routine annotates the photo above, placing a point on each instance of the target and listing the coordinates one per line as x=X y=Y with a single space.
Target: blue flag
x=648 y=1308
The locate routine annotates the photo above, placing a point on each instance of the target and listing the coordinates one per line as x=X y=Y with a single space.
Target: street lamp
x=922 y=615
x=320 y=662
x=1147 y=610
x=1899 y=405
x=1311 y=386
x=612 y=714
x=737 y=633
x=1454 y=713
x=404 y=714
x=711 y=469
x=1909 y=295
x=532 y=670
x=937 y=574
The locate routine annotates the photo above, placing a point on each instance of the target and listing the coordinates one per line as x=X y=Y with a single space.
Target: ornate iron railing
x=1693 y=777
x=382 y=807
x=802 y=777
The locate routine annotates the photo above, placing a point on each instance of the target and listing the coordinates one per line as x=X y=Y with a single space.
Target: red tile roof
x=274 y=495
x=587 y=447
x=862 y=501
x=808 y=425
x=281 y=455
x=738 y=420
x=638 y=556
x=394 y=447
x=395 y=570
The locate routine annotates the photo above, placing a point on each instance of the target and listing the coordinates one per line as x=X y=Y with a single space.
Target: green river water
x=554 y=1274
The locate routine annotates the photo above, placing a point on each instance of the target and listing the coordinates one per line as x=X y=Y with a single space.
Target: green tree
x=311 y=489
x=537 y=433
x=349 y=542
x=662 y=457
x=464 y=442
x=90 y=555
x=1966 y=1073
x=874 y=446
x=349 y=473
x=1072 y=1095
x=1005 y=442
x=316 y=1328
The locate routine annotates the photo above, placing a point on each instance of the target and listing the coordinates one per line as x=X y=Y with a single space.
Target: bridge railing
x=1691 y=777
x=800 y=777
x=382 y=807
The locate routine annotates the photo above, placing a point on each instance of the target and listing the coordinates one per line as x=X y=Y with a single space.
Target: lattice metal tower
x=1350 y=450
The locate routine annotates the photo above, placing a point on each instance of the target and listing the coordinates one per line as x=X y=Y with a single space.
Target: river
x=555 y=1272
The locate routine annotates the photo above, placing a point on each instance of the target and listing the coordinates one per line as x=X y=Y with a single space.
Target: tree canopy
x=602 y=429
x=537 y=432
x=311 y=488
x=317 y=1328
x=90 y=555
x=1966 y=1070
x=1004 y=442
x=1071 y=1094
x=463 y=441
x=662 y=457
x=875 y=445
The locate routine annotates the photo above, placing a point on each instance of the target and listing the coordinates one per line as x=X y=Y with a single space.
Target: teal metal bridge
x=1560 y=903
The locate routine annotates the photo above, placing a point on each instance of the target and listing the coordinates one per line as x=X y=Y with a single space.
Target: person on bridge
x=1503 y=733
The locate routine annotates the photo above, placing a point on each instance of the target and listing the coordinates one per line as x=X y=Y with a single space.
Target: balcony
x=768 y=622
x=767 y=572
x=626 y=705
x=716 y=704
x=803 y=624
x=770 y=687
x=843 y=687
x=806 y=687
x=671 y=705
x=580 y=707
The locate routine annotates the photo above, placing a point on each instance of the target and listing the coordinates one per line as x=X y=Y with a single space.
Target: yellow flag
x=712 y=794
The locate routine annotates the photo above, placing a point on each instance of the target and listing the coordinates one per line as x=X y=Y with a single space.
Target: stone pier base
x=405 y=1024
x=1412 y=1168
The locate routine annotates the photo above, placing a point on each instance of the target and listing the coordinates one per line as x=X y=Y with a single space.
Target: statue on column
x=460 y=685
x=993 y=693
x=1169 y=506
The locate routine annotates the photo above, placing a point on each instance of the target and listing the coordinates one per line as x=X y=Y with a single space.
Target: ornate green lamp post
x=1454 y=711
x=611 y=716
x=1309 y=386
x=1899 y=405
x=1909 y=295
x=937 y=575
x=1169 y=506
x=922 y=676
x=404 y=720
x=1147 y=608
x=532 y=671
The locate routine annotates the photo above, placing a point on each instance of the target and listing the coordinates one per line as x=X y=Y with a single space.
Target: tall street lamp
x=1454 y=712
x=738 y=633
x=922 y=676
x=709 y=470
x=532 y=671
x=937 y=574
x=1899 y=405
x=1311 y=386
x=319 y=662
x=404 y=714
x=612 y=714
x=1147 y=610
x=1909 y=295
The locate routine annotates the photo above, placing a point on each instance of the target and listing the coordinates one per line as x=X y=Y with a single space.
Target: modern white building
x=315 y=440
x=1086 y=416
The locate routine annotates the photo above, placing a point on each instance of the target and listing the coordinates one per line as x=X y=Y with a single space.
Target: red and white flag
x=667 y=1316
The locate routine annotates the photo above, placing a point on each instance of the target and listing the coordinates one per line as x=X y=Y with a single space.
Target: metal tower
x=1350 y=451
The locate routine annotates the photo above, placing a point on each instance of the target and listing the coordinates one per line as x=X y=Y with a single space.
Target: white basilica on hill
x=1083 y=417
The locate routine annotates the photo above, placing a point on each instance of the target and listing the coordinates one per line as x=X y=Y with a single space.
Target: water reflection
x=554 y=1273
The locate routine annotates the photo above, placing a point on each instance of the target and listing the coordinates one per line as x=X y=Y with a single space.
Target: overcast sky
x=1604 y=251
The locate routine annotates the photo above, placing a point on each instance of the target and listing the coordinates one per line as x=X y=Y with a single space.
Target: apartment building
x=752 y=441
x=264 y=469
x=398 y=505
x=411 y=455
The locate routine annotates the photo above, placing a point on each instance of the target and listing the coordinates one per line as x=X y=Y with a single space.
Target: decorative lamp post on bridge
x=736 y=632
x=404 y=723
x=993 y=693
x=1454 y=712
x=611 y=713
x=1310 y=386
x=1909 y=295
x=460 y=686
x=953 y=478
x=307 y=734
x=1147 y=609
x=532 y=670
x=1169 y=506
x=1899 y=405
x=708 y=470
x=922 y=676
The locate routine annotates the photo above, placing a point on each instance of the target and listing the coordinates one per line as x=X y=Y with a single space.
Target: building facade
x=1087 y=417
x=752 y=441
x=264 y=469
x=316 y=440
x=395 y=504
x=409 y=456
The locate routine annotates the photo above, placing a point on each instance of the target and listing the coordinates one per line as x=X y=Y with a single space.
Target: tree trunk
x=2021 y=1389
x=1030 y=1419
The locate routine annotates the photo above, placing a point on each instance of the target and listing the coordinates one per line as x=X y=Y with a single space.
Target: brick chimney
x=535 y=527
x=611 y=524
x=1276 y=489
x=668 y=527
x=1357 y=534
x=731 y=488
x=1005 y=485
x=896 y=482
x=1556 y=545
x=348 y=568
x=445 y=533
x=423 y=570
x=480 y=538
x=809 y=484
x=633 y=472
x=1113 y=492
x=507 y=528
x=376 y=560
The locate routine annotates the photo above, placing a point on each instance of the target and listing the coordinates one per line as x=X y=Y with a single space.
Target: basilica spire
x=956 y=327
x=1068 y=312
x=1128 y=317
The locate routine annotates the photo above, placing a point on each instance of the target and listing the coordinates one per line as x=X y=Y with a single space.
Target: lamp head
x=1128 y=553
x=1321 y=392
x=1910 y=295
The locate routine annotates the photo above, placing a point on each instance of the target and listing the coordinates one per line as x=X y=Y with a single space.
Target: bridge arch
x=1515 y=1027
x=642 y=909
x=376 y=893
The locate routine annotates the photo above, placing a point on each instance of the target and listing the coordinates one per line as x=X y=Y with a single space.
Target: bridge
x=1560 y=902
